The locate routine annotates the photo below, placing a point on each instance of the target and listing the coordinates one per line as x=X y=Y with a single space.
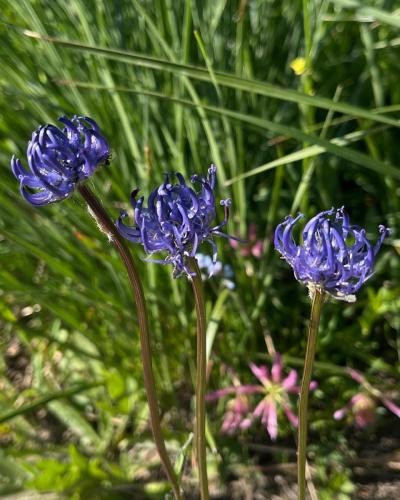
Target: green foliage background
x=176 y=86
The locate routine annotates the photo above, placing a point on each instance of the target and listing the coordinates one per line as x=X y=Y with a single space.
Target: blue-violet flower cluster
x=177 y=220
x=335 y=256
x=59 y=159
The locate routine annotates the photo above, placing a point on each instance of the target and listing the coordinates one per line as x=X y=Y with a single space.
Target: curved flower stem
x=106 y=225
x=316 y=306
x=201 y=377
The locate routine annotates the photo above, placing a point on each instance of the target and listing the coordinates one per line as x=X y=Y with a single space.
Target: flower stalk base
x=106 y=225
x=201 y=377
x=316 y=306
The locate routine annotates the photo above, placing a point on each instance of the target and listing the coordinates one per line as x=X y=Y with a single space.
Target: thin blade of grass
x=47 y=398
x=383 y=16
x=351 y=155
x=224 y=79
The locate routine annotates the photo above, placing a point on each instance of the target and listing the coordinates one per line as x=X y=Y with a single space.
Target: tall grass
x=176 y=86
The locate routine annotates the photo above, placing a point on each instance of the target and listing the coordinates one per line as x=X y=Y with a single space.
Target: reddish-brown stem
x=106 y=225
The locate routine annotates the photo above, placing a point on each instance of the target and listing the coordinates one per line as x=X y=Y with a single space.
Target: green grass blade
x=223 y=79
x=351 y=155
x=390 y=18
x=47 y=398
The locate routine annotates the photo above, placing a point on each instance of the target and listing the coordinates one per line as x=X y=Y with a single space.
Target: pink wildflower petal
x=355 y=375
x=290 y=381
x=272 y=422
x=290 y=415
x=342 y=412
x=227 y=422
x=249 y=389
x=276 y=370
x=238 y=406
x=224 y=428
x=259 y=409
x=233 y=243
x=261 y=372
x=246 y=423
x=257 y=249
x=236 y=421
x=265 y=414
x=357 y=398
x=213 y=396
x=391 y=406
x=296 y=389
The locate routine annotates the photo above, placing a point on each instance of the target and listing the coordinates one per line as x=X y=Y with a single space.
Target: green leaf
x=115 y=385
x=74 y=421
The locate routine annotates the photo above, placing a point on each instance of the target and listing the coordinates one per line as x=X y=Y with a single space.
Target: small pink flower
x=254 y=246
x=237 y=415
x=363 y=409
x=363 y=404
x=275 y=389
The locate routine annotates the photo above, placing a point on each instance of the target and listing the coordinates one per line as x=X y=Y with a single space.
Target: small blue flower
x=206 y=263
x=177 y=219
x=216 y=268
x=59 y=159
x=335 y=257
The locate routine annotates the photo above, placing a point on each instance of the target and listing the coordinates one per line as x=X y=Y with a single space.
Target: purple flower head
x=335 y=256
x=59 y=159
x=275 y=389
x=177 y=219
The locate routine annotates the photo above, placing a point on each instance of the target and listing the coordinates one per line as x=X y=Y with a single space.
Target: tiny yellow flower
x=298 y=65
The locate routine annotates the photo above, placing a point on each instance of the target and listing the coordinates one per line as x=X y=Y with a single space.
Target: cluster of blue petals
x=335 y=256
x=59 y=159
x=177 y=220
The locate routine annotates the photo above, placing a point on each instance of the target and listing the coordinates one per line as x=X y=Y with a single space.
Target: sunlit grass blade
x=383 y=16
x=214 y=147
x=47 y=398
x=278 y=128
x=224 y=79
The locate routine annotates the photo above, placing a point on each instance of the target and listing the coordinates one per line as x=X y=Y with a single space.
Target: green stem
x=317 y=301
x=106 y=225
x=201 y=376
